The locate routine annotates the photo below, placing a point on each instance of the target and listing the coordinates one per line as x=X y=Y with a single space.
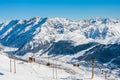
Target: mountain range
x=82 y=40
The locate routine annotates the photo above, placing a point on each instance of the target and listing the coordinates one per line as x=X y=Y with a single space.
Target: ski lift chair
x=31 y=59
x=49 y=64
x=76 y=65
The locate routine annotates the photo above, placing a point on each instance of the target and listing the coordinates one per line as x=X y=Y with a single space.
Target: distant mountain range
x=97 y=38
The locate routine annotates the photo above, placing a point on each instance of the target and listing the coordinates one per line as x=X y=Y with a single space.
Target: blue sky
x=71 y=9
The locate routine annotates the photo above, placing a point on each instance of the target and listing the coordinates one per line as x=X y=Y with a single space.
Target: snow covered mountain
x=80 y=40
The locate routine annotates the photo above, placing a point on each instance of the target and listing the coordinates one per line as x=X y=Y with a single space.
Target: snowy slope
x=27 y=71
x=35 y=71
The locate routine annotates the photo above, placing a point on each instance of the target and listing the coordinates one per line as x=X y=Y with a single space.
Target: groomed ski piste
x=39 y=71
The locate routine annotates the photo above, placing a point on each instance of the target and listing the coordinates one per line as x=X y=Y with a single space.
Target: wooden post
x=10 y=66
x=14 y=65
x=93 y=66
x=53 y=69
x=56 y=69
x=11 y=63
x=105 y=75
x=92 y=71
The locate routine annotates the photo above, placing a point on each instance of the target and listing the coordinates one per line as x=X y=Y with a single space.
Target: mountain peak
x=36 y=19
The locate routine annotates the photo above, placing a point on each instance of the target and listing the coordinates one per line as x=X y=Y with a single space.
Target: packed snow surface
x=35 y=71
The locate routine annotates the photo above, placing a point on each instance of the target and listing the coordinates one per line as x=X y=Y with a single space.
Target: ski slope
x=26 y=71
x=35 y=71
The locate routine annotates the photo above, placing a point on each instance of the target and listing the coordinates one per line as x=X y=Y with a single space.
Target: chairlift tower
x=105 y=73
